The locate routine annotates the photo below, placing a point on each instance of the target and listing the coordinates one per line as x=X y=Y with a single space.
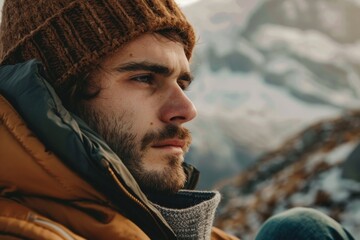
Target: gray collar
x=190 y=214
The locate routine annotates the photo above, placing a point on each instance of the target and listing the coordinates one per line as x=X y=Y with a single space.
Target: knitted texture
x=69 y=36
x=191 y=214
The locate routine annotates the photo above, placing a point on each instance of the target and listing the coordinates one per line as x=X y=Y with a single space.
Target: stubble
x=118 y=133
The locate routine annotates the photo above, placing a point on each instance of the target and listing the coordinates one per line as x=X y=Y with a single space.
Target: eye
x=184 y=84
x=144 y=78
x=185 y=80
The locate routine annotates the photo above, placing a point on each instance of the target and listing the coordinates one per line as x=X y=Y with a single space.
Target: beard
x=118 y=132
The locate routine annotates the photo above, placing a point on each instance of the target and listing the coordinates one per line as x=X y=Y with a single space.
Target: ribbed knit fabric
x=68 y=36
x=189 y=213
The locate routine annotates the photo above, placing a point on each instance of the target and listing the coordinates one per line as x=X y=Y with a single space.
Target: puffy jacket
x=58 y=179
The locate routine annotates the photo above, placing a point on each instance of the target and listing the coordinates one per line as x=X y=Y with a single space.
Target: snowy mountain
x=264 y=71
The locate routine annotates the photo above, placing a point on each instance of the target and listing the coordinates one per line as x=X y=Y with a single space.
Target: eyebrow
x=152 y=67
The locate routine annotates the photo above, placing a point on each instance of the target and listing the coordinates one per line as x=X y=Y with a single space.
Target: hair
x=72 y=95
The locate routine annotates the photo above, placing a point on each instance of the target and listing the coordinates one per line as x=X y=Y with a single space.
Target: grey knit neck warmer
x=189 y=213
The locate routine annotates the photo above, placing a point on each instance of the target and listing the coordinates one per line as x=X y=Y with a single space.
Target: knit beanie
x=69 y=36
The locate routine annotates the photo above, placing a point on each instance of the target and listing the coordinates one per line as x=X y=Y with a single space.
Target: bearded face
x=141 y=108
x=164 y=174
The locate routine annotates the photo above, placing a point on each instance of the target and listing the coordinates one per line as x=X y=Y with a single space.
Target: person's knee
x=302 y=223
x=285 y=223
x=302 y=215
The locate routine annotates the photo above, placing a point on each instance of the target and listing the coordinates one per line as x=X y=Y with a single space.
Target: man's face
x=141 y=108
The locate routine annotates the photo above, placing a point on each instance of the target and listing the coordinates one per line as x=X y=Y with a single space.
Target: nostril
x=177 y=118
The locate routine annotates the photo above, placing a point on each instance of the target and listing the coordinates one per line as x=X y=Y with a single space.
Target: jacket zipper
x=132 y=197
x=53 y=227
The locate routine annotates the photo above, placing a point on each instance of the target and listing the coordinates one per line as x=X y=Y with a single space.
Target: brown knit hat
x=69 y=36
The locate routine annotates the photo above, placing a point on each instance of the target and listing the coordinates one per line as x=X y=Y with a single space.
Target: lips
x=170 y=143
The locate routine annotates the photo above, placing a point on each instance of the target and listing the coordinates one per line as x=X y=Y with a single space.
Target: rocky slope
x=317 y=168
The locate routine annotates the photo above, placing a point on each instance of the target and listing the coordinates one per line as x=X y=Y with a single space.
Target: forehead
x=151 y=47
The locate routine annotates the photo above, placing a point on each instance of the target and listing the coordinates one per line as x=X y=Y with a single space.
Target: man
x=106 y=159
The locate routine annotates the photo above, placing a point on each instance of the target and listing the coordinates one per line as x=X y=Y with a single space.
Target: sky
x=184 y=3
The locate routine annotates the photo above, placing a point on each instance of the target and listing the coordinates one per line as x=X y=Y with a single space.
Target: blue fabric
x=302 y=224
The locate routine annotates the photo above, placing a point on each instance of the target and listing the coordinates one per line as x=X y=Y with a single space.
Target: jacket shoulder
x=41 y=173
x=19 y=222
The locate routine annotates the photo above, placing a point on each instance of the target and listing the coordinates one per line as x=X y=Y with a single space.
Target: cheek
x=116 y=107
x=139 y=121
x=141 y=112
x=143 y=121
x=144 y=112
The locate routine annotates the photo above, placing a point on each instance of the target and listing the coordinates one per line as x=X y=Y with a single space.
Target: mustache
x=170 y=131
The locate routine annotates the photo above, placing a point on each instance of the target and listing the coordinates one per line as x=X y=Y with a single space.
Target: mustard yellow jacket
x=58 y=180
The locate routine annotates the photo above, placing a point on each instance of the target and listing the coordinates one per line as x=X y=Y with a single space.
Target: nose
x=177 y=108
